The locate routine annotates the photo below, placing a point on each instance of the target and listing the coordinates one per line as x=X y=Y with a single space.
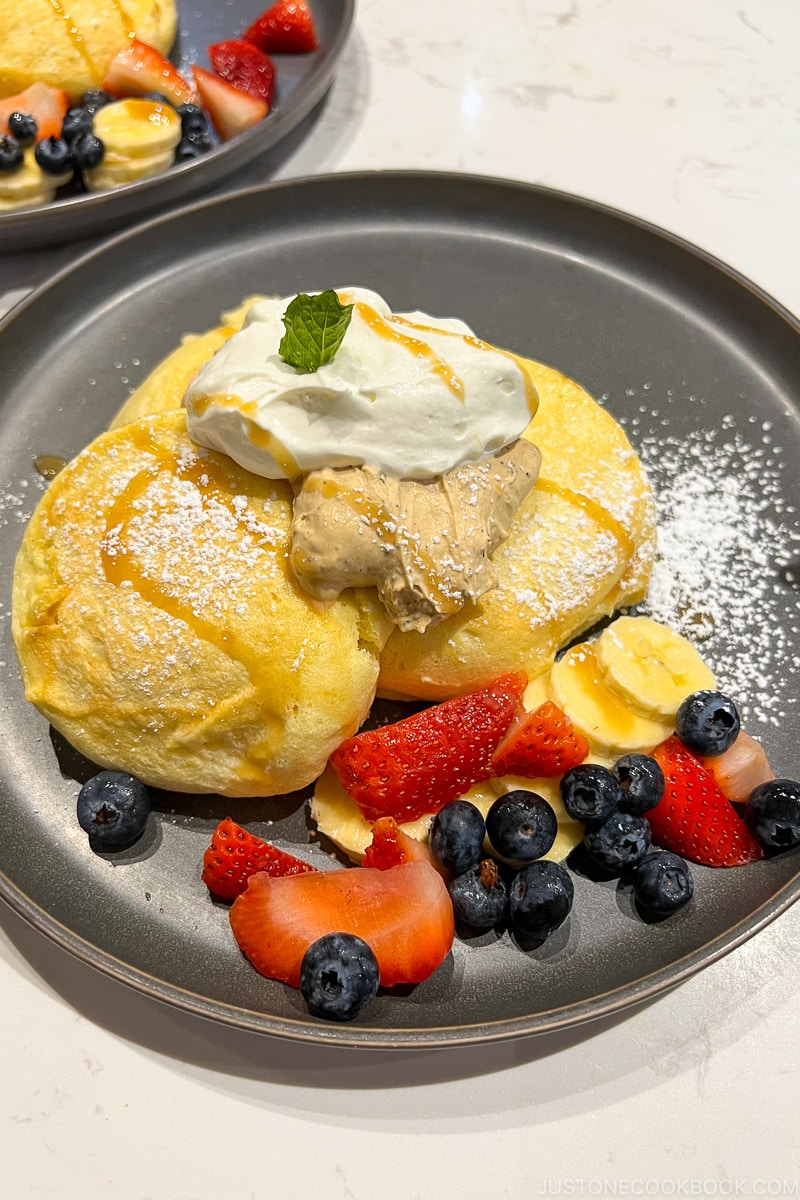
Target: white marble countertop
x=683 y=113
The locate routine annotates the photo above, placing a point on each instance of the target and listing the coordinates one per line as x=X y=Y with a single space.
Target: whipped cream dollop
x=411 y=395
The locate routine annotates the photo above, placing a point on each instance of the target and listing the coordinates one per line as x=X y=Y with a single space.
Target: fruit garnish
x=521 y=827
x=456 y=836
x=390 y=847
x=662 y=883
x=773 y=814
x=641 y=780
x=479 y=896
x=650 y=666
x=740 y=769
x=47 y=106
x=404 y=915
x=419 y=764
x=619 y=843
x=232 y=111
x=707 y=723
x=540 y=899
x=285 y=28
x=591 y=793
x=542 y=744
x=235 y=854
x=339 y=975
x=139 y=69
x=315 y=328
x=113 y=808
x=246 y=67
x=695 y=819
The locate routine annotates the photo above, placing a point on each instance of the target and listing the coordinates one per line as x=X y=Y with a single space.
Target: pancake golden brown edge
x=70 y=45
x=159 y=628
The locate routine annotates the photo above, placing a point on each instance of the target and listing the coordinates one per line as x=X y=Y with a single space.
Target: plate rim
x=583 y=1012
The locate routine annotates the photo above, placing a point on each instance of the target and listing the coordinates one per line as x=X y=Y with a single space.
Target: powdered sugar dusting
x=727 y=539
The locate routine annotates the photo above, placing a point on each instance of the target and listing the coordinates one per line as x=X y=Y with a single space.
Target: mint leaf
x=315 y=327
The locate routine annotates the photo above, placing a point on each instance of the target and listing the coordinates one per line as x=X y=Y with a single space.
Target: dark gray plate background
x=607 y=299
x=301 y=81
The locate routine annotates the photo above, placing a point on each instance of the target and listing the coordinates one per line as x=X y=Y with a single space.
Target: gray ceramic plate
x=674 y=340
x=301 y=81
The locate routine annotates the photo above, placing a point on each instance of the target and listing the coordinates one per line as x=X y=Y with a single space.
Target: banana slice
x=338 y=816
x=340 y=819
x=137 y=129
x=29 y=185
x=649 y=666
x=576 y=685
x=111 y=175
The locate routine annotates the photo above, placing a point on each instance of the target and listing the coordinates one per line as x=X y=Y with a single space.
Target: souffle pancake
x=159 y=628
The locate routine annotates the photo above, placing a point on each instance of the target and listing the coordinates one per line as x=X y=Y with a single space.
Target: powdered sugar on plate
x=727 y=544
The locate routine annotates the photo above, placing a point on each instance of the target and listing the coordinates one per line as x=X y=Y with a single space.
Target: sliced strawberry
x=246 y=67
x=694 y=818
x=421 y=763
x=234 y=855
x=740 y=769
x=231 y=110
x=405 y=915
x=286 y=28
x=390 y=846
x=139 y=69
x=540 y=744
x=46 y=104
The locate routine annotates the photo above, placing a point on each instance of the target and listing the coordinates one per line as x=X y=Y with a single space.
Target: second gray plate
x=689 y=356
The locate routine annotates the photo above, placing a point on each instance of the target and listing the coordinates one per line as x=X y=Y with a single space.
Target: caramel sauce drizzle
x=49 y=465
x=76 y=37
x=122 y=567
x=596 y=511
x=259 y=437
x=380 y=326
x=583 y=662
x=531 y=395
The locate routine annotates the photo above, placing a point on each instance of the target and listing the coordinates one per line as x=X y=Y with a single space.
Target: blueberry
x=52 y=155
x=87 y=151
x=590 y=793
x=95 y=99
x=23 y=127
x=76 y=121
x=641 y=780
x=193 y=145
x=158 y=98
x=193 y=119
x=479 y=896
x=456 y=836
x=621 y=841
x=662 y=883
x=773 y=814
x=540 y=898
x=338 y=976
x=113 y=809
x=521 y=826
x=707 y=723
x=11 y=155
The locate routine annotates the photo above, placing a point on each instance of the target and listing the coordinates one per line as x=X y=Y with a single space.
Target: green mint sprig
x=315 y=328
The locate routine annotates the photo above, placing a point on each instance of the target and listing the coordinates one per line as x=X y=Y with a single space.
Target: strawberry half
x=286 y=28
x=246 y=67
x=231 y=110
x=694 y=818
x=390 y=847
x=404 y=915
x=234 y=855
x=139 y=69
x=421 y=763
x=542 y=744
x=47 y=104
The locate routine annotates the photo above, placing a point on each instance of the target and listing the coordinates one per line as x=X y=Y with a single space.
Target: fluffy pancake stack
x=69 y=44
x=161 y=631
